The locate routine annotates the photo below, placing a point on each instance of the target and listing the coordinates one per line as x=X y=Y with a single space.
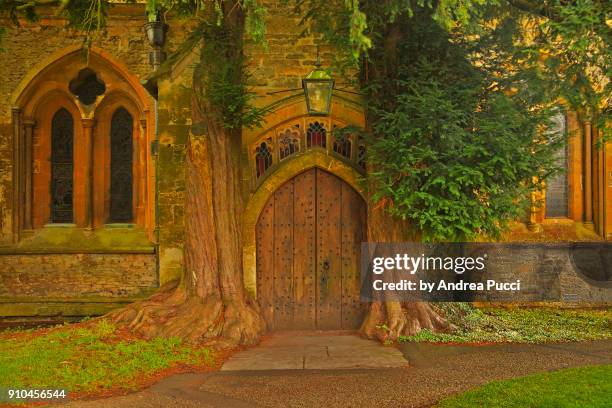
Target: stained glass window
x=342 y=145
x=62 y=142
x=557 y=187
x=316 y=135
x=121 y=166
x=289 y=143
x=263 y=157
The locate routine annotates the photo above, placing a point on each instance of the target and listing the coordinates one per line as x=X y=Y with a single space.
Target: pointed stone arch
x=97 y=57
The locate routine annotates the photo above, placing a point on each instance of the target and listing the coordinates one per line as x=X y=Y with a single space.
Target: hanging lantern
x=318 y=87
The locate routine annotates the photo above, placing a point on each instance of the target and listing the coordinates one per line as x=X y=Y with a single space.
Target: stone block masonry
x=65 y=285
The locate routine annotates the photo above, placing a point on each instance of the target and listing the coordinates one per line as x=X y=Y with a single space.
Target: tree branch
x=534 y=7
x=22 y=4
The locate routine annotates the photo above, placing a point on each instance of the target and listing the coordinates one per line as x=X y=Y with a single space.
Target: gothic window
x=316 y=135
x=557 y=187
x=263 y=157
x=289 y=143
x=62 y=143
x=121 y=166
x=342 y=144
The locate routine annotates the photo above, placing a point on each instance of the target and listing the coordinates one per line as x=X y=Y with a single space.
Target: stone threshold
x=315 y=351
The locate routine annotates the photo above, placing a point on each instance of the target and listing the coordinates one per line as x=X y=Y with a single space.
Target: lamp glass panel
x=318 y=96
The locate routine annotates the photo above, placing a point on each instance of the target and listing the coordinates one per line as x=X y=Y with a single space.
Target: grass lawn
x=519 y=325
x=89 y=358
x=574 y=387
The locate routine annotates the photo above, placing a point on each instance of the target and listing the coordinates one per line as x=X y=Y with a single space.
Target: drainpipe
x=156 y=35
x=156 y=154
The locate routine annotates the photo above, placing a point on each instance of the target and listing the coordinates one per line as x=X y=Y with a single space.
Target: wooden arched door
x=308 y=247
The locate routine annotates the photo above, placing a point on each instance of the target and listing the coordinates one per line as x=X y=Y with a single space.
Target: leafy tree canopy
x=459 y=96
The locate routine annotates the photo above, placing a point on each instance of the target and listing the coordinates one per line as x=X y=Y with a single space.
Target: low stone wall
x=573 y=273
x=567 y=274
x=64 y=286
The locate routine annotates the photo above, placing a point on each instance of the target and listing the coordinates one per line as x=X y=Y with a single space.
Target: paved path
x=315 y=351
x=434 y=373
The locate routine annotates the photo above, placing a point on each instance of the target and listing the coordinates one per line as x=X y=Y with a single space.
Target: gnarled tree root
x=195 y=320
x=387 y=321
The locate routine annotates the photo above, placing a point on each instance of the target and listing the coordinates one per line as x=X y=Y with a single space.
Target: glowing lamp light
x=318 y=87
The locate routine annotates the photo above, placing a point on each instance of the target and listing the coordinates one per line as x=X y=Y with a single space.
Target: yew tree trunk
x=209 y=304
x=388 y=320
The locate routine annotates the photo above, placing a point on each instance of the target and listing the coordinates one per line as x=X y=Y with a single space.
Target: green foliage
x=219 y=78
x=87 y=16
x=536 y=325
x=577 y=47
x=571 y=387
x=452 y=154
x=88 y=359
x=460 y=93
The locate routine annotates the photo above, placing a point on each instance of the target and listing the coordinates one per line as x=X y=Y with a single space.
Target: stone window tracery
x=289 y=143
x=300 y=136
x=342 y=144
x=361 y=156
x=87 y=86
x=316 y=135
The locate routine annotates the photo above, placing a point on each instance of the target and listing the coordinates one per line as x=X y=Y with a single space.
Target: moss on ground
x=88 y=357
x=521 y=325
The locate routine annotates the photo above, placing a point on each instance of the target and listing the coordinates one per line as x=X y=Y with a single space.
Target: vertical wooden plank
x=265 y=265
x=329 y=264
x=304 y=251
x=283 y=256
x=353 y=233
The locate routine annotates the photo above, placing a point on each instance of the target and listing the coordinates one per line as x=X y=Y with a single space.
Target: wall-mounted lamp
x=156 y=31
x=318 y=87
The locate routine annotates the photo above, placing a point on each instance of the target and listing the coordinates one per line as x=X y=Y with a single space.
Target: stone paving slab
x=316 y=352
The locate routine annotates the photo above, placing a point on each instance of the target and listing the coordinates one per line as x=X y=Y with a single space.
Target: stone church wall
x=56 y=287
x=87 y=272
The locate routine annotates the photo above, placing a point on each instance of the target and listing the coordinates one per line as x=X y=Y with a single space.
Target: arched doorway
x=308 y=248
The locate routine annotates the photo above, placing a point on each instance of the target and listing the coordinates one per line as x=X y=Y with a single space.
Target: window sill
x=67 y=238
x=558 y=220
x=117 y=225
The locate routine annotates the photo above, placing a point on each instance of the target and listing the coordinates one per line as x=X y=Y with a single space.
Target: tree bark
x=386 y=321
x=209 y=304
